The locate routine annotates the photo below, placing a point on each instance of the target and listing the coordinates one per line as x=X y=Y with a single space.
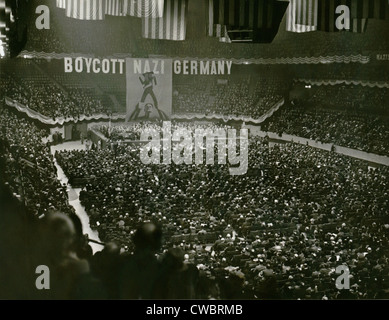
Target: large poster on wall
x=149 y=89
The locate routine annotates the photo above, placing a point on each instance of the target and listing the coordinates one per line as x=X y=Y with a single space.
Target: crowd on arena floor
x=278 y=232
x=134 y=130
x=355 y=118
x=297 y=215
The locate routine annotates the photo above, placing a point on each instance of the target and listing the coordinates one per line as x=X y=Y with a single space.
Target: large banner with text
x=149 y=89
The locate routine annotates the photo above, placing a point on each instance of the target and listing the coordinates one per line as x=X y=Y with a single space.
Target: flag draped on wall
x=221 y=32
x=171 y=26
x=358 y=25
x=116 y=8
x=224 y=36
x=302 y=16
x=260 y=17
x=61 y=4
x=370 y=9
x=216 y=30
x=252 y=14
x=321 y=15
x=145 y=8
x=85 y=9
x=327 y=15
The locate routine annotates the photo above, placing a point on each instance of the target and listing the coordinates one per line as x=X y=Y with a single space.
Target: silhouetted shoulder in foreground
x=139 y=271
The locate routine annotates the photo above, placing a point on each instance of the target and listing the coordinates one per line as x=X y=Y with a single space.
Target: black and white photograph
x=207 y=151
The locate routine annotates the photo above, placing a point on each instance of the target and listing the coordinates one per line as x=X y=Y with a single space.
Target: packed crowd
x=354 y=98
x=50 y=100
x=350 y=117
x=29 y=167
x=85 y=97
x=246 y=97
x=45 y=40
x=279 y=231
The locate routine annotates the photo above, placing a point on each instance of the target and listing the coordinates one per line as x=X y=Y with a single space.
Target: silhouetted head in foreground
x=174 y=259
x=148 y=237
x=139 y=272
x=61 y=232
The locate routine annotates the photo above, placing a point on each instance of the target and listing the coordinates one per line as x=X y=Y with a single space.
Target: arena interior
x=75 y=197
